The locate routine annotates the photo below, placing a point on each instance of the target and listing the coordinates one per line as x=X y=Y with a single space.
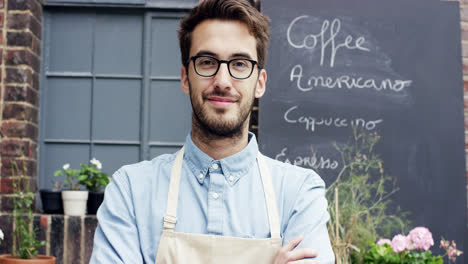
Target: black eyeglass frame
x=193 y=58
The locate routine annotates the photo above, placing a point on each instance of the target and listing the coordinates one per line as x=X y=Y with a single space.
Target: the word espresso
x=314 y=162
x=311 y=123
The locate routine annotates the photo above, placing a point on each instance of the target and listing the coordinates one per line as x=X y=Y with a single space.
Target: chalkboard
x=391 y=67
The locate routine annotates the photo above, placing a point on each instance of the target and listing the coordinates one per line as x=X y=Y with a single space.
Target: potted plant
x=94 y=180
x=413 y=248
x=74 y=199
x=52 y=202
x=25 y=244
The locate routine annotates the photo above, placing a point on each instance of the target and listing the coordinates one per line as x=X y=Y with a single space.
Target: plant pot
x=94 y=201
x=40 y=259
x=51 y=201
x=74 y=202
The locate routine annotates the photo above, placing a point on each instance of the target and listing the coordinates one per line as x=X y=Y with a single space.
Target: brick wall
x=20 y=41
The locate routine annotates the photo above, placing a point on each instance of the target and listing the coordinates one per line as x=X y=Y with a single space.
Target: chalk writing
x=313 y=161
x=345 y=81
x=311 y=123
x=311 y=41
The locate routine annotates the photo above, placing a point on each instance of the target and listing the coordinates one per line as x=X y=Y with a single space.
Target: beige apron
x=175 y=248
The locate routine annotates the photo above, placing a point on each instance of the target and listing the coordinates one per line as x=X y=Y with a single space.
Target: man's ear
x=184 y=82
x=261 y=84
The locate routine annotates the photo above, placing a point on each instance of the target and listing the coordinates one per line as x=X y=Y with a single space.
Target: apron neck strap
x=170 y=218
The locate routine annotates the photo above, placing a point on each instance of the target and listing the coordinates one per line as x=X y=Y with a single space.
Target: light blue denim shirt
x=131 y=216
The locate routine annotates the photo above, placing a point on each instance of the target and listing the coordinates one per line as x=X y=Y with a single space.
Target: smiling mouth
x=221 y=102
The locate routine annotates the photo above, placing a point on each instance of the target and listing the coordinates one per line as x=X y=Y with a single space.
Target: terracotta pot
x=40 y=259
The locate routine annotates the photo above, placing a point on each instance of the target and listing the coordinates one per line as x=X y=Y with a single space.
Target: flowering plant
x=413 y=248
x=71 y=180
x=92 y=177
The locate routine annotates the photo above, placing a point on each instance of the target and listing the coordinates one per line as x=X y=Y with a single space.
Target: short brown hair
x=238 y=10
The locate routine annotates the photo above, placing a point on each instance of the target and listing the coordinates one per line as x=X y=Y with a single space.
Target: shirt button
x=215 y=166
x=215 y=195
x=231 y=178
x=200 y=176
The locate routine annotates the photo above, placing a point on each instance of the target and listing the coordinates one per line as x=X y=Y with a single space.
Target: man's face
x=221 y=104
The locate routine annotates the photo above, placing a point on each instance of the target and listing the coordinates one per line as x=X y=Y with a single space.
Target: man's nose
x=223 y=78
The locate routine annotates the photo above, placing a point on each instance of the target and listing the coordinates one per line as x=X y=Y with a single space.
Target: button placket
x=215 y=203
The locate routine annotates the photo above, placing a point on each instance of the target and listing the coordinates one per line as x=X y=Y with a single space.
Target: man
x=217 y=200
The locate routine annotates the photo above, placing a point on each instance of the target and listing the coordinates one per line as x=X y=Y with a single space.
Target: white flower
x=66 y=166
x=1 y=234
x=96 y=163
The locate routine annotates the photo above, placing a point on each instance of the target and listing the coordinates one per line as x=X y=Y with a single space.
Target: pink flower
x=400 y=243
x=384 y=241
x=444 y=243
x=421 y=238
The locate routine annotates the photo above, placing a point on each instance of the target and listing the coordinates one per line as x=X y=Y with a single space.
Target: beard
x=215 y=124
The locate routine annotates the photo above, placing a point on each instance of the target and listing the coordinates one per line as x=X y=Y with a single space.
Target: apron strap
x=270 y=197
x=170 y=219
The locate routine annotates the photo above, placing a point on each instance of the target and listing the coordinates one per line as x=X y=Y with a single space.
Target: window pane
x=70 y=50
x=68 y=108
x=114 y=157
x=116 y=111
x=170 y=112
x=119 y=44
x=165 y=54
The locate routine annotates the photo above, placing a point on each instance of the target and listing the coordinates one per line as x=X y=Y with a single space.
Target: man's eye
x=240 y=64
x=206 y=62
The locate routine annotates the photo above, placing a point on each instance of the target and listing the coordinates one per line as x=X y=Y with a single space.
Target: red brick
x=464 y=31
x=73 y=240
x=23 y=39
x=464 y=13
x=36 y=47
x=35 y=81
x=21 y=94
x=465 y=50
x=15 y=129
x=26 y=167
x=2 y=19
x=33 y=5
x=90 y=227
x=8 y=184
x=14 y=148
x=57 y=235
x=7 y=202
x=2 y=3
x=20 y=112
x=465 y=86
x=1 y=36
x=22 y=57
x=23 y=21
x=17 y=75
x=40 y=224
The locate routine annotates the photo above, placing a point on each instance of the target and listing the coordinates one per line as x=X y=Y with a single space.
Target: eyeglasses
x=207 y=66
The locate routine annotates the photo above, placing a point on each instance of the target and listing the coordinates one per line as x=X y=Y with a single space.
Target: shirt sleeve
x=309 y=217
x=116 y=238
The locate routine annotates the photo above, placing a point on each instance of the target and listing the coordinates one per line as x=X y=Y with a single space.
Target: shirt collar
x=233 y=167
